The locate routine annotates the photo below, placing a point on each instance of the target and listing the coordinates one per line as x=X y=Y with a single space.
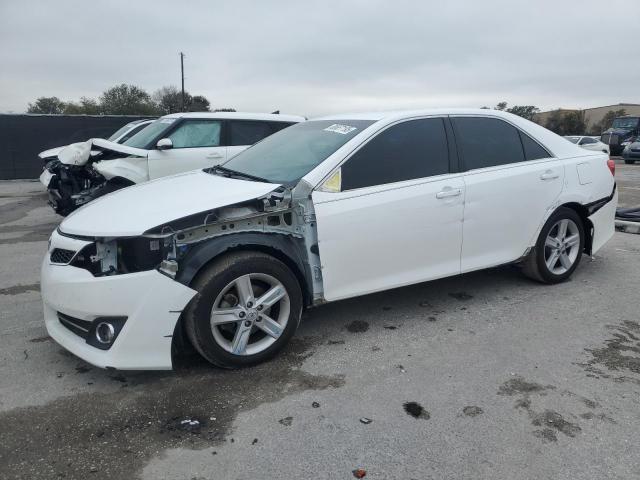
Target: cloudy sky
x=317 y=57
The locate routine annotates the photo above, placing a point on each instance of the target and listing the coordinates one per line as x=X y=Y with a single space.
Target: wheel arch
x=583 y=213
x=286 y=248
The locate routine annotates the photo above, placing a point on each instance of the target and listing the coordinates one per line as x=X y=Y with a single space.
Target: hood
x=618 y=131
x=79 y=153
x=138 y=208
x=52 y=152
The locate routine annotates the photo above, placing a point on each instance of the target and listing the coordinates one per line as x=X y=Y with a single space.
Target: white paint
x=135 y=209
x=388 y=236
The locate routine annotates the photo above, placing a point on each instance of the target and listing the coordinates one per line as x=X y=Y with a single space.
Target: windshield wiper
x=234 y=173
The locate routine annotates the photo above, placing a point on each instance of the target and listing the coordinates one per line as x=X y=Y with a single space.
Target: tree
x=225 y=110
x=566 y=122
x=86 y=106
x=198 y=104
x=49 y=105
x=607 y=121
x=168 y=99
x=126 y=99
x=524 y=111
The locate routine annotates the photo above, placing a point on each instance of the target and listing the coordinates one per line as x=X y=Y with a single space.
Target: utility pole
x=182 y=75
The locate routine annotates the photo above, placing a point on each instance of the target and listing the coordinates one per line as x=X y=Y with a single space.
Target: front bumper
x=151 y=301
x=631 y=154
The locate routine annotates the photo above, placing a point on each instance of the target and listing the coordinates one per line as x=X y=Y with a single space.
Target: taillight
x=612 y=166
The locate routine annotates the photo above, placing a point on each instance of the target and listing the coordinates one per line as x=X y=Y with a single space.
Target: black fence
x=23 y=137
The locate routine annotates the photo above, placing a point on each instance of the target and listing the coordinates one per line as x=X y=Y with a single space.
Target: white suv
x=172 y=144
x=324 y=210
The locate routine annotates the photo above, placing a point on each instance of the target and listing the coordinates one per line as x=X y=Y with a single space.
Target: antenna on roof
x=277 y=112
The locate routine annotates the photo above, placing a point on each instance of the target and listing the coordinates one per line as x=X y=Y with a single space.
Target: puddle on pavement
x=18 y=289
x=113 y=435
x=548 y=422
x=620 y=354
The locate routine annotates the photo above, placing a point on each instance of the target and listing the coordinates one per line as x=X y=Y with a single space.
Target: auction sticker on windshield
x=342 y=129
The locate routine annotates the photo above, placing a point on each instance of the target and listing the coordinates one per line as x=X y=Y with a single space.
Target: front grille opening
x=60 y=255
x=77 y=326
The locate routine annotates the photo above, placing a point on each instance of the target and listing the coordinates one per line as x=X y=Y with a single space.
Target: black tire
x=629 y=161
x=211 y=282
x=535 y=266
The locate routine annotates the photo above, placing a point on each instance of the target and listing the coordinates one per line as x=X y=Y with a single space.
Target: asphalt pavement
x=481 y=376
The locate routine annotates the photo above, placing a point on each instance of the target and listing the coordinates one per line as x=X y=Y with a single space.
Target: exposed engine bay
x=72 y=179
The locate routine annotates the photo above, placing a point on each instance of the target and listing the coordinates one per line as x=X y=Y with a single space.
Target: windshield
x=573 y=139
x=627 y=123
x=121 y=131
x=149 y=133
x=288 y=155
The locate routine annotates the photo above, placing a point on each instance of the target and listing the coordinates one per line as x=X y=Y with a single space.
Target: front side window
x=247 y=132
x=487 y=142
x=288 y=155
x=132 y=132
x=121 y=131
x=406 y=151
x=196 y=133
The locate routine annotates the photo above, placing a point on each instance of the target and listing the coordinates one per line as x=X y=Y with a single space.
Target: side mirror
x=164 y=144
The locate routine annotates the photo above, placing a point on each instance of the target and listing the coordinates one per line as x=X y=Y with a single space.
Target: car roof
x=403 y=114
x=272 y=117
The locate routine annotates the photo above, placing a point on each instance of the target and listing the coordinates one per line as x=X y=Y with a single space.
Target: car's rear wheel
x=559 y=248
x=628 y=161
x=247 y=308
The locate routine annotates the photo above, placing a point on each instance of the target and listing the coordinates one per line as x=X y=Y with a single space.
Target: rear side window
x=532 y=149
x=248 y=132
x=487 y=142
x=408 y=150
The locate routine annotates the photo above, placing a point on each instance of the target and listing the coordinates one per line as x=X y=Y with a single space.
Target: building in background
x=592 y=116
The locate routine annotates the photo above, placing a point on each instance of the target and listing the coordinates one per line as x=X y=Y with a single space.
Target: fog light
x=105 y=333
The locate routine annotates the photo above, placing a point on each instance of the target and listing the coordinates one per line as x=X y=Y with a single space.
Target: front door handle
x=449 y=192
x=549 y=175
x=214 y=155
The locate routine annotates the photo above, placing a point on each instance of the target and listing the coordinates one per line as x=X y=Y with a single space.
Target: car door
x=196 y=144
x=392 y=214
x=511 y=183
x=242 y=134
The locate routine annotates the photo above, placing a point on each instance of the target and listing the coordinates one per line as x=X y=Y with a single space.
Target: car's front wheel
x=559 y=248
x=629 y=161
x=247 y=308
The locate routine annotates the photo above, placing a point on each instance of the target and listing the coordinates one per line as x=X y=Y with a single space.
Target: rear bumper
x=603 y=222
x=150 y=301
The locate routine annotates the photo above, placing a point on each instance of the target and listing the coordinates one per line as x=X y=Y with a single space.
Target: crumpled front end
x=122 y=321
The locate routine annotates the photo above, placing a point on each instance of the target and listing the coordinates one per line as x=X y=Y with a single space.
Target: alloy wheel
x=562 y=245
x=250 y=314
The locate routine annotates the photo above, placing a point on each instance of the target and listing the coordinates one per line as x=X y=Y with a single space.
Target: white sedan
x=589 y=143
x=227 y=258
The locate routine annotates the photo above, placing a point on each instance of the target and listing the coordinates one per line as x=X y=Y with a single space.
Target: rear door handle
x=214 y=155
x=449 y=192
x=549 y=175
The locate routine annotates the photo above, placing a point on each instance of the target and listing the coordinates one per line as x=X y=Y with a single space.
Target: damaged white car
x=227 y=258
x=172 y=144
